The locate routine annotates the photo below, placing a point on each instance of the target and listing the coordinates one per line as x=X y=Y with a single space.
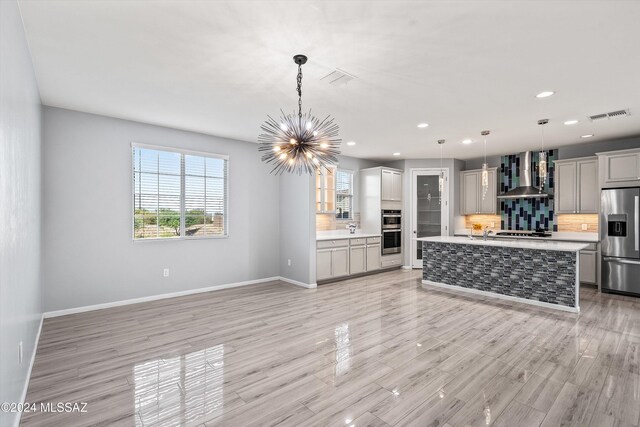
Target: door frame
x=444 y=213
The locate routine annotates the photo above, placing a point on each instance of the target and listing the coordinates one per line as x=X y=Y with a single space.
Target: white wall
x=20 y=284
x=89 y=256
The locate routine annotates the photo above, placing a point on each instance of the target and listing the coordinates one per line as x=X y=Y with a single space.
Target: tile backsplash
x=327 y=222
x=526 y=214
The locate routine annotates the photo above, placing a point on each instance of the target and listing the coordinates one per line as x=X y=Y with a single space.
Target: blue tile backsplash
x=526 y=214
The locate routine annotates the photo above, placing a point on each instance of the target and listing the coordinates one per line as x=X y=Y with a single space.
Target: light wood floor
x=371 y=351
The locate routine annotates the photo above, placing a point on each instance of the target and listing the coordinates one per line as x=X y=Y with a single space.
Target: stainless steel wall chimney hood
x=526 y=190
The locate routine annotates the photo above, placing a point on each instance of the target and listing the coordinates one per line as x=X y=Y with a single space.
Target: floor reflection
x=184 y=388
x=343 y=351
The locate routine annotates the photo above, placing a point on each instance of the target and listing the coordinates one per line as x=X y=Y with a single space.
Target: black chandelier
x=299 y=143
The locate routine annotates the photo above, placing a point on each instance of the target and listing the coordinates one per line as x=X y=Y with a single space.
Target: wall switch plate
x=20 y=352
x=493 y=225
x=289 y=262
x=585 y=227
x=165 y=272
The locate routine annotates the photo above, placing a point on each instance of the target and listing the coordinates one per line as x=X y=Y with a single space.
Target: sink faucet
x=352 y=227
x=485 y=233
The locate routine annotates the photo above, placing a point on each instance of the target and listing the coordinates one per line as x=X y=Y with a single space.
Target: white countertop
x=545 y=245
x=342 y=234
x=565 y=236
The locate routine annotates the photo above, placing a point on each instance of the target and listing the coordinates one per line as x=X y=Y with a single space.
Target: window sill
x=179 y=238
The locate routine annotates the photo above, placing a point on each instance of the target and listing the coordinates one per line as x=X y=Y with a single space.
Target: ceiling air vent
x=338 y=77
x=610 y=115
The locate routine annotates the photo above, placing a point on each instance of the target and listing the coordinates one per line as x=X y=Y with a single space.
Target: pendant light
x=441 y=177
x=299 y=142
x=485 y=167
x=542 y=161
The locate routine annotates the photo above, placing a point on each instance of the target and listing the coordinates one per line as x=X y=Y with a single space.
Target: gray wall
x=298 y=228
x=568 y=151
x=89 y=255
x=20 y=191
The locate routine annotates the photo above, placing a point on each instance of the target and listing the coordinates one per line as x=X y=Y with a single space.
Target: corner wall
x=20 y=209
x=298 y=229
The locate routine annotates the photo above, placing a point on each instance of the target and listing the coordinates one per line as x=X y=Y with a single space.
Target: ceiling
x=219 y=67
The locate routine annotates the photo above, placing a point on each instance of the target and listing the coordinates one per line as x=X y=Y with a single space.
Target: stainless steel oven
x=391 y=231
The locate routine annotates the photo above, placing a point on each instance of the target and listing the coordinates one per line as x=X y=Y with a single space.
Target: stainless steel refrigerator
x=620 y=240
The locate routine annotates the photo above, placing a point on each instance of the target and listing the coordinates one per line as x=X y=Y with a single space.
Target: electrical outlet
x=585 y=227
x=493 y=225
x=20 y=352
x=289 y=262
x=165 y=272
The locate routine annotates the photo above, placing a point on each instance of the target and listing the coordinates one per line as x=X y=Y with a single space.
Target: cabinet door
x=330 y=190
x=587 y=267
x=373 y=257
x=622 y=167
x=396 y=185
x=357 y=259
x=469 y=200
x=566 y=191
x=323 y=264
x=489 y=204
x=340 y=262
x=387 y=185
x=588 y=193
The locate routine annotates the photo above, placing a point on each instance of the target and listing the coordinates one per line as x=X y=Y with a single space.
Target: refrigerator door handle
x=620 y=260
x=637 y=219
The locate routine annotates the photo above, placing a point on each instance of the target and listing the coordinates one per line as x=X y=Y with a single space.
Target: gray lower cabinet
x=346 y=257
x=373 y=257
x=340 y=262
x=588 y=266
x=323 y=264
x=357 y=259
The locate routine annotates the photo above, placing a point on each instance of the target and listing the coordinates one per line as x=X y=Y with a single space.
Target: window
x=344 y=194
x=178 y=194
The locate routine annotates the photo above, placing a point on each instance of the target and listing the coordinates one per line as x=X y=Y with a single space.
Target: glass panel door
x=429 y=215
x=428 y=209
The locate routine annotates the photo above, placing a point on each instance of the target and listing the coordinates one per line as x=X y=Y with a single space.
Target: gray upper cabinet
x=566 y=182
x=588 y=194
x=391 y=185
x=622 y=166
x=576 y=183
x=471 y=200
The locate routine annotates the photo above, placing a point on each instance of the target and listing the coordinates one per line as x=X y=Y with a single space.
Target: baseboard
x=33 y=359
x=407 y=267
x=76 y=310
x=503 y=297
x=295 y=282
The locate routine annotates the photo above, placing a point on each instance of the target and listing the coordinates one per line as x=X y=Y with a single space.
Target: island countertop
x=547 y=245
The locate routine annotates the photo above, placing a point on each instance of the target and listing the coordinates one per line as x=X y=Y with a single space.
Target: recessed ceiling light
x=545 y=94
x=467 y=141
x=423 y=125
x=351 y=143
x=396 y=154
x=570 y=122
x=589 y=135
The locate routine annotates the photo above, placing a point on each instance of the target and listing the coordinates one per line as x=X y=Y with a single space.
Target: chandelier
x=299 y=143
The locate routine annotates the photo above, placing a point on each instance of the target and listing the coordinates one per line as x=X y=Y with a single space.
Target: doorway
x=429 y=209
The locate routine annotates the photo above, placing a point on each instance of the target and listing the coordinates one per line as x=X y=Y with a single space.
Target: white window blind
x=178 y=194
x=344 y=194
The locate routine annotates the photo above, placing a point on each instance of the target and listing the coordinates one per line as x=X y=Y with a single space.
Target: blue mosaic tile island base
x=532 y=274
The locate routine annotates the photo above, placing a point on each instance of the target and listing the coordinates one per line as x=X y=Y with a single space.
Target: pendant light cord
x=299 y=88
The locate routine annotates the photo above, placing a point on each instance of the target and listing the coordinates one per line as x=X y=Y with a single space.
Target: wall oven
x=391 y=231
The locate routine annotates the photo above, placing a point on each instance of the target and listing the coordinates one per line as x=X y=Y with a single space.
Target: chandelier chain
x=299 y=88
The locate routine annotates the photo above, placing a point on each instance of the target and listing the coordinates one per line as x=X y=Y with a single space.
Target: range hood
x=526 y=190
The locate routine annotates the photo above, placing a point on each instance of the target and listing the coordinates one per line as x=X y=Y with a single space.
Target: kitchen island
x=543 y=273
